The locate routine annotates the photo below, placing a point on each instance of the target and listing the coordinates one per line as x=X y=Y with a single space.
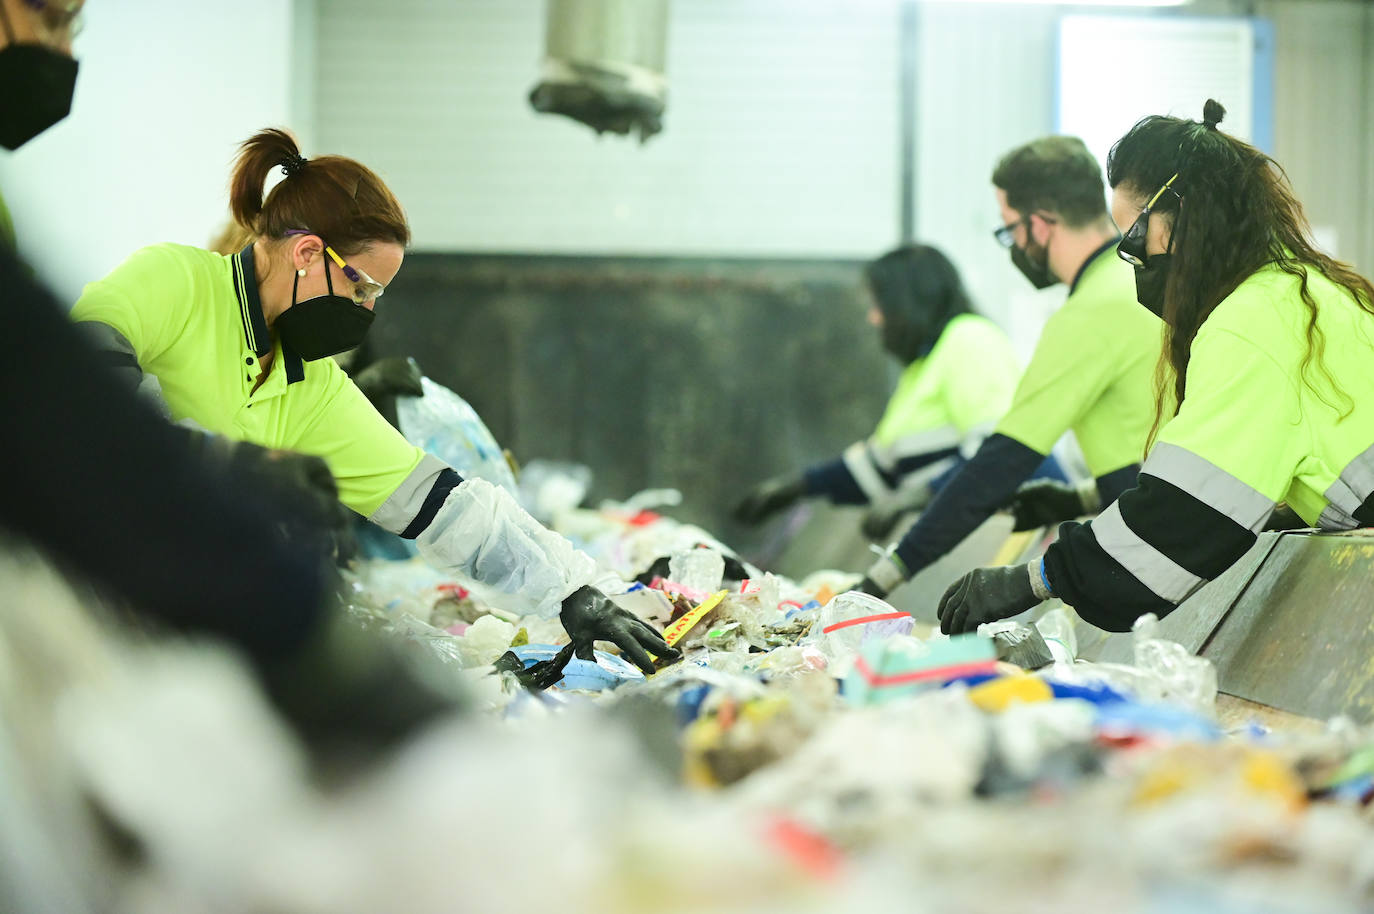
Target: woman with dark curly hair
x=1265 y=385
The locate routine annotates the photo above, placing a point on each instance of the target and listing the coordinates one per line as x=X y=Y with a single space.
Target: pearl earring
x=301 y=271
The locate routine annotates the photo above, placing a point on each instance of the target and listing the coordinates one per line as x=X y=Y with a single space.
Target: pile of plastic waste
x=869 y=760
x=813 y=750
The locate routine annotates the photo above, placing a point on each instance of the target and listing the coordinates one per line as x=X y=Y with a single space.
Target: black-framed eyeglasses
x=1132 y=246
x=365 y=288
x=1006 y=235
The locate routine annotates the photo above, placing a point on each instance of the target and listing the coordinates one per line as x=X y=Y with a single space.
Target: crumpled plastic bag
x=549 y=487
x=847 y=633
x=1184 y=678
x=443 y=424
x=507 y=558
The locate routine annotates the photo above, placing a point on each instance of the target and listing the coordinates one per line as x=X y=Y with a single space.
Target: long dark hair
x=919 y=291
x=1234 y=212
x=341 y=200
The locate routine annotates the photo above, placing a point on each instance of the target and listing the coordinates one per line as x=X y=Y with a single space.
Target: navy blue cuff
x=834 y=481
x=438 y=493
x=1111 y=486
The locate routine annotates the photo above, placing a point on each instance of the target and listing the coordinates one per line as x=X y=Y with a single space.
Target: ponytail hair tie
x=1212 y=113
x=294 y=165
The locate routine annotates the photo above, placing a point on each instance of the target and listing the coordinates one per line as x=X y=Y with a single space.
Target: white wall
x=985 y=84
x=1324 y=136
x=165 y=91
x=781 y=133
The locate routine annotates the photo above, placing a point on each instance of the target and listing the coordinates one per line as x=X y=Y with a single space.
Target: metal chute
x=604 y=64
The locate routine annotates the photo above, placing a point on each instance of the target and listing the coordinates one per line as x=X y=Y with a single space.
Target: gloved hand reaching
x=989 y=594
x=392 y=375
x=303 y=480
x=1045 y=501
x=769 y=497
x=589 y=616
x=884 y=576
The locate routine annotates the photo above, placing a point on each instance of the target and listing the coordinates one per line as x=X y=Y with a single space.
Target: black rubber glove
x=986 y=595
x=1045 y=502
x=769 y=497
x=588 y=616
x=734 y=570
x=538 y=676
x=390 y=376
x=868 y=586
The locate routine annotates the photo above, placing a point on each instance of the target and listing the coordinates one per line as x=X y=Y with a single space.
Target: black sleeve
x=982 y=486
x=833 y=480
x=111 y=491
x=1111 y=486
x=1146 y=553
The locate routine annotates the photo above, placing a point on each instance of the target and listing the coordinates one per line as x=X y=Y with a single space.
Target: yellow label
x=673 y=633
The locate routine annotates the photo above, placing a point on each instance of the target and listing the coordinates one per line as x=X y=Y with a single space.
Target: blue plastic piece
x=1130 y=718
x=689 y=702
x=608 y=672
x=1097 y=694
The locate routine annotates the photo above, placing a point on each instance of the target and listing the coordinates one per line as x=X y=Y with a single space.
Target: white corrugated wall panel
x=985 y=85
x=780 y=135
x=1324 y=122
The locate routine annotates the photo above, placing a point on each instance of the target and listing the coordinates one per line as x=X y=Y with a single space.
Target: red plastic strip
x=863 y=620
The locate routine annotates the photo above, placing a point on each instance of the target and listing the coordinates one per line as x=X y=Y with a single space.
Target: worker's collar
x=255 y=331
x=1106 y=246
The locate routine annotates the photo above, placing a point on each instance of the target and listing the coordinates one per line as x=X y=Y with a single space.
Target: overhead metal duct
x=604 y=64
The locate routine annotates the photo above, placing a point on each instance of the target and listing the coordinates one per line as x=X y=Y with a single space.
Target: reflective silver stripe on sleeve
x=402 y=505
x=1333 y=518
x=860 y=465
x=1210 y=484
x=936 y=439
x=1147 y=564
x=1348 y=493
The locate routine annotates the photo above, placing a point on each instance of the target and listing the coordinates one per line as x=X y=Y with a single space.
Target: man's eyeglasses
x=365 y=288
x=1006 y=235
x=1132 y=247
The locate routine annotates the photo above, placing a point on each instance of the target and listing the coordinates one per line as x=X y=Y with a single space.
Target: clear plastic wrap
x=699 y=570
x=548 y=488
x=1057 y=628
x=443 y=424
x=1184 y=678
x=507 y=557
x=851 y=619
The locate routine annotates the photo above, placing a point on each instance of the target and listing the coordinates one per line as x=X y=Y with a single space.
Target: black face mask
x=322 y=326
x=1150 y=282
x=1038 y=273
x=36 y=83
